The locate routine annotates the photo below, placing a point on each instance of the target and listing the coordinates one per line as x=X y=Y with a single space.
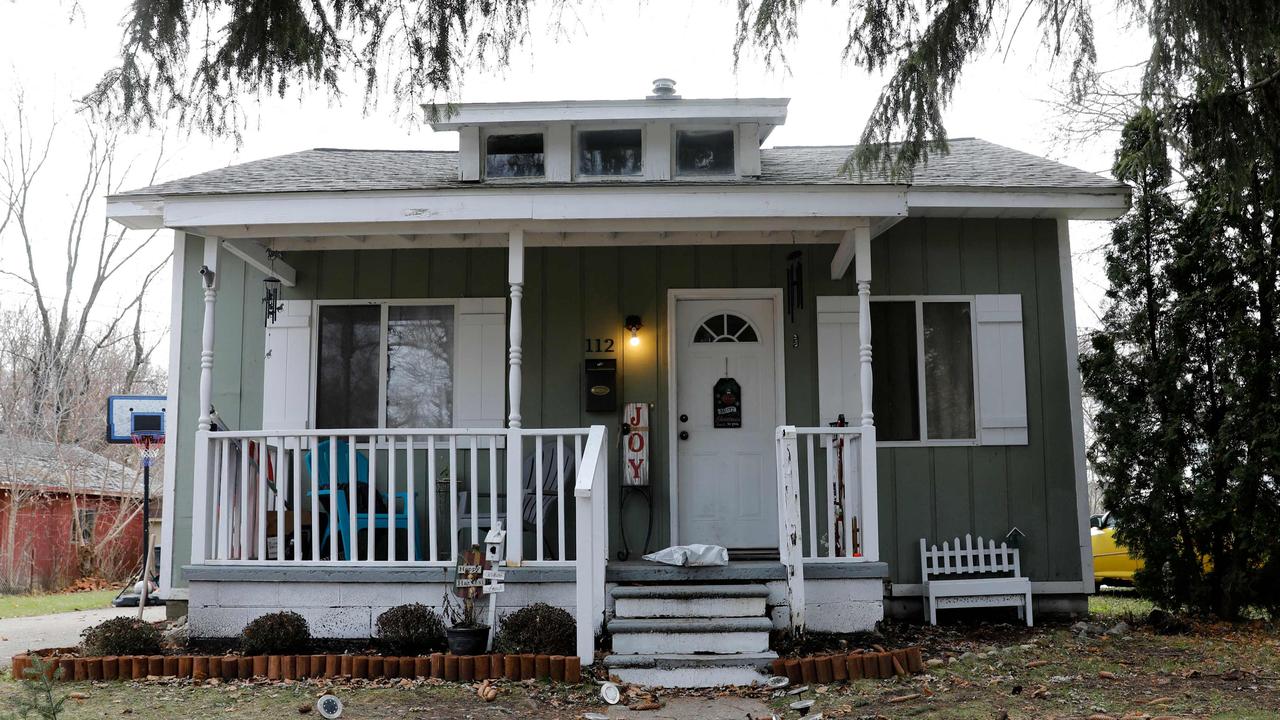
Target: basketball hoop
x=149 y=447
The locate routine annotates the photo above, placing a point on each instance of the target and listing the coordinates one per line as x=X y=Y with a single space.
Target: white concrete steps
x=689 y=601
x=716 y=635
x=689 y=670
x=690 y=634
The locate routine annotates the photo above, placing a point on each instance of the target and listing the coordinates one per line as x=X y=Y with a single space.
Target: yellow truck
x=1112 y=563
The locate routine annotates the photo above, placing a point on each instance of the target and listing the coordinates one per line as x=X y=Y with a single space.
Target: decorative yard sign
x=468 y=580
x=635 y=455
x=726 y=404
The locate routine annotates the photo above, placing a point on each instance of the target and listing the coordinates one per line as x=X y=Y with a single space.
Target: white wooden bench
x=968 y=591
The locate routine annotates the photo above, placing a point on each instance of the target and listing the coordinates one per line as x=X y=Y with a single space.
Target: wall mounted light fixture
x=633 y=325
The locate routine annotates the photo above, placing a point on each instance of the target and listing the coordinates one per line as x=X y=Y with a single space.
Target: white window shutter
x=480 y=360
x=839 y=389
x=286 y=369
x=1002 y=375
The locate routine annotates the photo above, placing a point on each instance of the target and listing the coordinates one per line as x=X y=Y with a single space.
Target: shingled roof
x=971 y=163
x=59 y=468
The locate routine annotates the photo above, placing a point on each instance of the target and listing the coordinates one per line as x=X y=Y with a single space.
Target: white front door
x=725 y=418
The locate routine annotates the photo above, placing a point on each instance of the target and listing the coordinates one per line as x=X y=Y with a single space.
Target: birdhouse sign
x=635 y=455
x=468 y=580
x=726 y=404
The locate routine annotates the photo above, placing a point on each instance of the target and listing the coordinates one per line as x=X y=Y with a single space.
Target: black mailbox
x=602 y=386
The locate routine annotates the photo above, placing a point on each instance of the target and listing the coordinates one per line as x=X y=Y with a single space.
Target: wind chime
x=271 y=292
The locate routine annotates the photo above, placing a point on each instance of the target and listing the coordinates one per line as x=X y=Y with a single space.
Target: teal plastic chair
x=383 y=515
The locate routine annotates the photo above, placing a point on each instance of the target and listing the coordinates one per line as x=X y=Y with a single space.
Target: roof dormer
x=661 y=137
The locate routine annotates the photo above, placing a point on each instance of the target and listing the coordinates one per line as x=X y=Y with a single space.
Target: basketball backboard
x=135 y=415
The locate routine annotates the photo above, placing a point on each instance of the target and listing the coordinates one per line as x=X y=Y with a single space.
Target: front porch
x=350 y=520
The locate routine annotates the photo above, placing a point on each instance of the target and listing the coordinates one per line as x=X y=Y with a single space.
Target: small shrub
x=538 y=628
x=39 y=699
x=122 y=636
x=275 y=634
x=412 y=629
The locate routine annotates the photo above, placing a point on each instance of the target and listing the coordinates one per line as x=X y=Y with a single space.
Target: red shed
x=66 y=512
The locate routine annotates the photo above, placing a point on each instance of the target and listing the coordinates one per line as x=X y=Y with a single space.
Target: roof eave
x=767 y=111
x=136 y=212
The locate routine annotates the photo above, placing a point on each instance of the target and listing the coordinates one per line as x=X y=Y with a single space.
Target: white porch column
x=209 y=273
x=867 y=450
x=515 y=354
x=862 y=273
x=201 y=502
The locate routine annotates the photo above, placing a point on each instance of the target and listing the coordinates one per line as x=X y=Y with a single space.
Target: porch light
x=271 y=292
x=633 y=324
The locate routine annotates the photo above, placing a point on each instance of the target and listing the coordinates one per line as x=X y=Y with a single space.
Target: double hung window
x=923 y=379
x=386 y=364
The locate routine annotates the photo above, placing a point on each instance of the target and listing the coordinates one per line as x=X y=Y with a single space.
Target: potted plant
x=466 y=634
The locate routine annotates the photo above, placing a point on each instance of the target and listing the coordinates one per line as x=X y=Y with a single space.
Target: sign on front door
x=726 y=403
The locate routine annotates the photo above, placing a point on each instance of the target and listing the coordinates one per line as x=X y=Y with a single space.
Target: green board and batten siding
x=577 y=293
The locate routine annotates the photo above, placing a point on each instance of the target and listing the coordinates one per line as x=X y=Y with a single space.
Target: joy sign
x=636 y=445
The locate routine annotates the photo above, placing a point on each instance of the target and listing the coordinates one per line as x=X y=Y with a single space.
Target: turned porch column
x=867 y=451
x=515 y=354
x=209 y=274
x=862 y=274
x=201 y=500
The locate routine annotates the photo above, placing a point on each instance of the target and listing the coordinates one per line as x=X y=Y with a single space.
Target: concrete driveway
x=17 y=635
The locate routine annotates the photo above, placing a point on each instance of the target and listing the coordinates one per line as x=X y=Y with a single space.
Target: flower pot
x=467 y=641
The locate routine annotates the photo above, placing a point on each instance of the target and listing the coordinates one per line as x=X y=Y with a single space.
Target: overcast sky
x=607 y=49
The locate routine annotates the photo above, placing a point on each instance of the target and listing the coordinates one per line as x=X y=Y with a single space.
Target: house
x=461 y=338
x=65 y=512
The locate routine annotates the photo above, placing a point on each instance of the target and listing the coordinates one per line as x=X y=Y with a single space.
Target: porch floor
x=643 y=571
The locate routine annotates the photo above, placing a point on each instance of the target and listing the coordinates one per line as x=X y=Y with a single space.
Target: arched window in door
x=726 y=328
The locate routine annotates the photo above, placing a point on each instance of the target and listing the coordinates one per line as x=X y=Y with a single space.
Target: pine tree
x=1134 y=371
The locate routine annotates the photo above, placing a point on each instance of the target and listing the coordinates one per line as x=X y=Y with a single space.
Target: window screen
x=609 y=152
x=895 y=396
x=420 y=340
x=704 y=152
x=510 y=156
x=347 y=366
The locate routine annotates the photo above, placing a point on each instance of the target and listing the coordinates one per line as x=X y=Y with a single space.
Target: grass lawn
x=1231 y=672
x=12 y=606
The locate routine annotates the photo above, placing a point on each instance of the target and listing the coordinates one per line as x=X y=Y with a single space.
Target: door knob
x=684 y=434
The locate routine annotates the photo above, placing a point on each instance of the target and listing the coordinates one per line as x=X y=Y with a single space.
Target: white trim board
x=384 y=240
x=499 y=207
x=585 y=201
x=780 y=374
x=178 y=269
x=1075 y=401
x=764 y=110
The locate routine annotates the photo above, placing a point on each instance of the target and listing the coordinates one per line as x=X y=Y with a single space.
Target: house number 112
x=598 y=345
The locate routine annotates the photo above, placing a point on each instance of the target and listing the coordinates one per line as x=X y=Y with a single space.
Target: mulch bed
x=462 y=668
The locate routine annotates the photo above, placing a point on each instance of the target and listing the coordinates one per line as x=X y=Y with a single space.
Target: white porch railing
x=826 y=501
x=591 y=496
x=405 y=497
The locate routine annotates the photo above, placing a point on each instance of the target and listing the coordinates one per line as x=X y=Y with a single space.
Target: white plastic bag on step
x=691 y=556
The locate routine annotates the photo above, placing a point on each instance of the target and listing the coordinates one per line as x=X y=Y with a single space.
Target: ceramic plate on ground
x=329 y=707
x=610 y=693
